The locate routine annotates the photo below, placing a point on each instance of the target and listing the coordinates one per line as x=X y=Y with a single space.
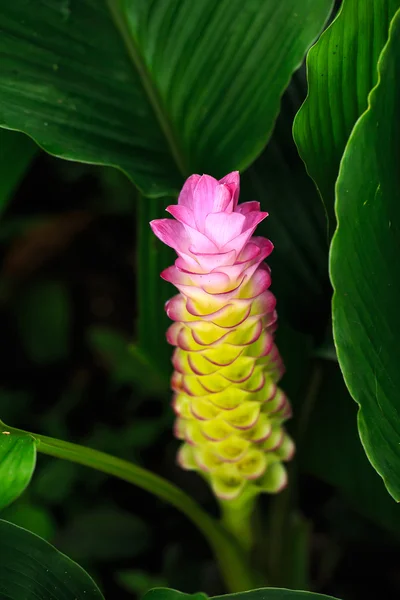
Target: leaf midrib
x=148 y=85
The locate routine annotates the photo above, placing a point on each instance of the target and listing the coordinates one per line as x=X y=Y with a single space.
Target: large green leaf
x=159 y=89
x=30 y=569
x=274 y=594
x=296 y=222
x=261 y=594
x=16 y=154
x=342 y=70
x=17 y=463
x=364 y=268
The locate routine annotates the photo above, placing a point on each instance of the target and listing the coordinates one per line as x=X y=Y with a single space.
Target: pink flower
x=229 y=408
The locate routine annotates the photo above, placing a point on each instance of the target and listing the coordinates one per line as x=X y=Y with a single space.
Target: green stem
x=237 y=518
x=232 y=561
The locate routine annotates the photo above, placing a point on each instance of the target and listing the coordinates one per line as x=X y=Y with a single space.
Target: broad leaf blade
x=261 y=594
x=178 y=87
x=364 y=269
x=30 y=568
x=17 y=463
x=168 y=594
x=341 y=70
x=274 y=594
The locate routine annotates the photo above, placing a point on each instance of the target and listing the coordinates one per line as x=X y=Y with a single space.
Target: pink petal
x=233 y=180
x=209 y=262
x=209 y=282
x=203 y=199
x=221 y=227
x=187 y=263
x=170 y=232
x=247 y=207
x=254 y=218
x=199 y=241
x=264 y=246
x=222 y=199
x=186 y=195
x=182 y=214
x=251 y=221
x=175 y=308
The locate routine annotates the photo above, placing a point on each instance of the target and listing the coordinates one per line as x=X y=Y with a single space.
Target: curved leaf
x=261 y=594
x=31 y=568
x=160 y=89
x=364 y=268
x=341 y=70
x=274 y=594
x=17 y=463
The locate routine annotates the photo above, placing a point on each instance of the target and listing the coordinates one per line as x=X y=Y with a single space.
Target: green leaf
x=167 y=594
x=17 y=463
x=16 y=154
x=364 y=271
x=138 y=581
x=30 y=568
x=261 y=594
x=177 y=87
x=43 y=318
x=344 y=465
x=342 y=70
x=296 y=222
x=274 y=594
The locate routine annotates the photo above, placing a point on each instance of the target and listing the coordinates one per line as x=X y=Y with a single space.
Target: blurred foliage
x=78 y=363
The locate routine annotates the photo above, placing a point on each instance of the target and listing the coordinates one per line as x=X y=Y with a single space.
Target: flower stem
x=237 y=518
x=232 y=560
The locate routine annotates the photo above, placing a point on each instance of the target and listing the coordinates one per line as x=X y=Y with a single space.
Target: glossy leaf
x=274 y=594
x=364 y=271
x=167 y=594
x=261 y=594
x=17 y=463
x=16 y=154
x=342 y=70
x=178 y=87
x=30 y=568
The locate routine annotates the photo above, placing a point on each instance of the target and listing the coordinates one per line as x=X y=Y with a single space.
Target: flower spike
x=230 y=410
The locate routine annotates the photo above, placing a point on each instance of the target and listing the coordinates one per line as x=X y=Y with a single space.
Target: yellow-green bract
x=230 y=411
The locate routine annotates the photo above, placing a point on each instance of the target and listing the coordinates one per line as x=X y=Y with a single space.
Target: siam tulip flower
x=230 y=410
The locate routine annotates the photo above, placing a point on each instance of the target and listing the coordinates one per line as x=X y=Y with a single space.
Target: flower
x=230 y=411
